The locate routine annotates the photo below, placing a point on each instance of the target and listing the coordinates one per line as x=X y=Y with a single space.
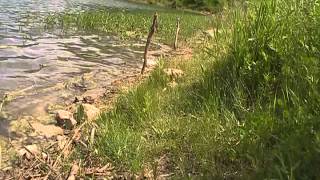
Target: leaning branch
x=151 y=33
x=177 y=34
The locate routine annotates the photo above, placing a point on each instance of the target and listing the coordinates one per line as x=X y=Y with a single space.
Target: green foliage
x=248 y=106
x=130 y=23
x=202 y=4
x=206 y=5
x=80 y=114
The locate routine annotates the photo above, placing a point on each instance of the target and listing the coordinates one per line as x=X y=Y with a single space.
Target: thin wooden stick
x=51 y=168
x=177 y=35
x=151 y=33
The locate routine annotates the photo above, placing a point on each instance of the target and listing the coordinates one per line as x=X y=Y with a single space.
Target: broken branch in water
x=151 y=33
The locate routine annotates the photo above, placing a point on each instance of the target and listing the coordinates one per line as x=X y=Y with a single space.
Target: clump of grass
x=248 y=106
x=131 y=23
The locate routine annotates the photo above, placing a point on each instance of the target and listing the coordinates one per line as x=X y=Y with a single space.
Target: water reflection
x=29 y=55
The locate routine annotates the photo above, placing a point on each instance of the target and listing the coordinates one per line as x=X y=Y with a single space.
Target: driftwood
x=151 y=33
x=177 y=35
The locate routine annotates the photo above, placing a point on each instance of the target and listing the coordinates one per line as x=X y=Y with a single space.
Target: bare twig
x=40 y=160
x=177 y=35
x=151 y=33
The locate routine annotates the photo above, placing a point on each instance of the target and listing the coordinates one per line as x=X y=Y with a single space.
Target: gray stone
x=65 y=119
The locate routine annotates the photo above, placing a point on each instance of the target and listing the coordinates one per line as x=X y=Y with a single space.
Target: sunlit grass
x=247 y=107
x=131 y=23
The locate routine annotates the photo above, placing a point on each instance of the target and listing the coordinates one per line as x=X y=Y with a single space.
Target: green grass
x=131 y=24
x=248 y=106
x=204 y=5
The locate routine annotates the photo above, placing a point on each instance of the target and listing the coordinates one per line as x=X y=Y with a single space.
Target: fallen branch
x=151 y=33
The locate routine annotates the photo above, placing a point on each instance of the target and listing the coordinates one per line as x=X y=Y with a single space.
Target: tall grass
x=248 y=106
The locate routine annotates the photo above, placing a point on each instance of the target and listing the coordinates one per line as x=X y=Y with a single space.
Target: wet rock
x=91 y=111
x=29 y=151
x=173 y=73
x=62 y=115
x=65 y=119
x=91 y=96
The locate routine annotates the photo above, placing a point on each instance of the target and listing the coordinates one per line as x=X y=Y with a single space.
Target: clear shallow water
x=30 y=56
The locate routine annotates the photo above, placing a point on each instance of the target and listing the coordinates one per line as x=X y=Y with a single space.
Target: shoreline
x=49 y=146
x=30 y=127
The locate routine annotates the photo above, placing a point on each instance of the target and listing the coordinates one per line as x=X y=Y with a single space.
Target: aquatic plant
x=130 y=23
x=207 y=5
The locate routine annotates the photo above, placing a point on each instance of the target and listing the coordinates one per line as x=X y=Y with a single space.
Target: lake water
x=31 y=56
x=33 y=60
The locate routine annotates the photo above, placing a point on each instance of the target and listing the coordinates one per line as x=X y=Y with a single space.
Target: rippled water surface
x=31 y=56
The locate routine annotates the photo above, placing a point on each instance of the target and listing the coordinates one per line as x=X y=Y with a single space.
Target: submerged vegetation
x=131 y=23
x=207 y=5
x=248 y=105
